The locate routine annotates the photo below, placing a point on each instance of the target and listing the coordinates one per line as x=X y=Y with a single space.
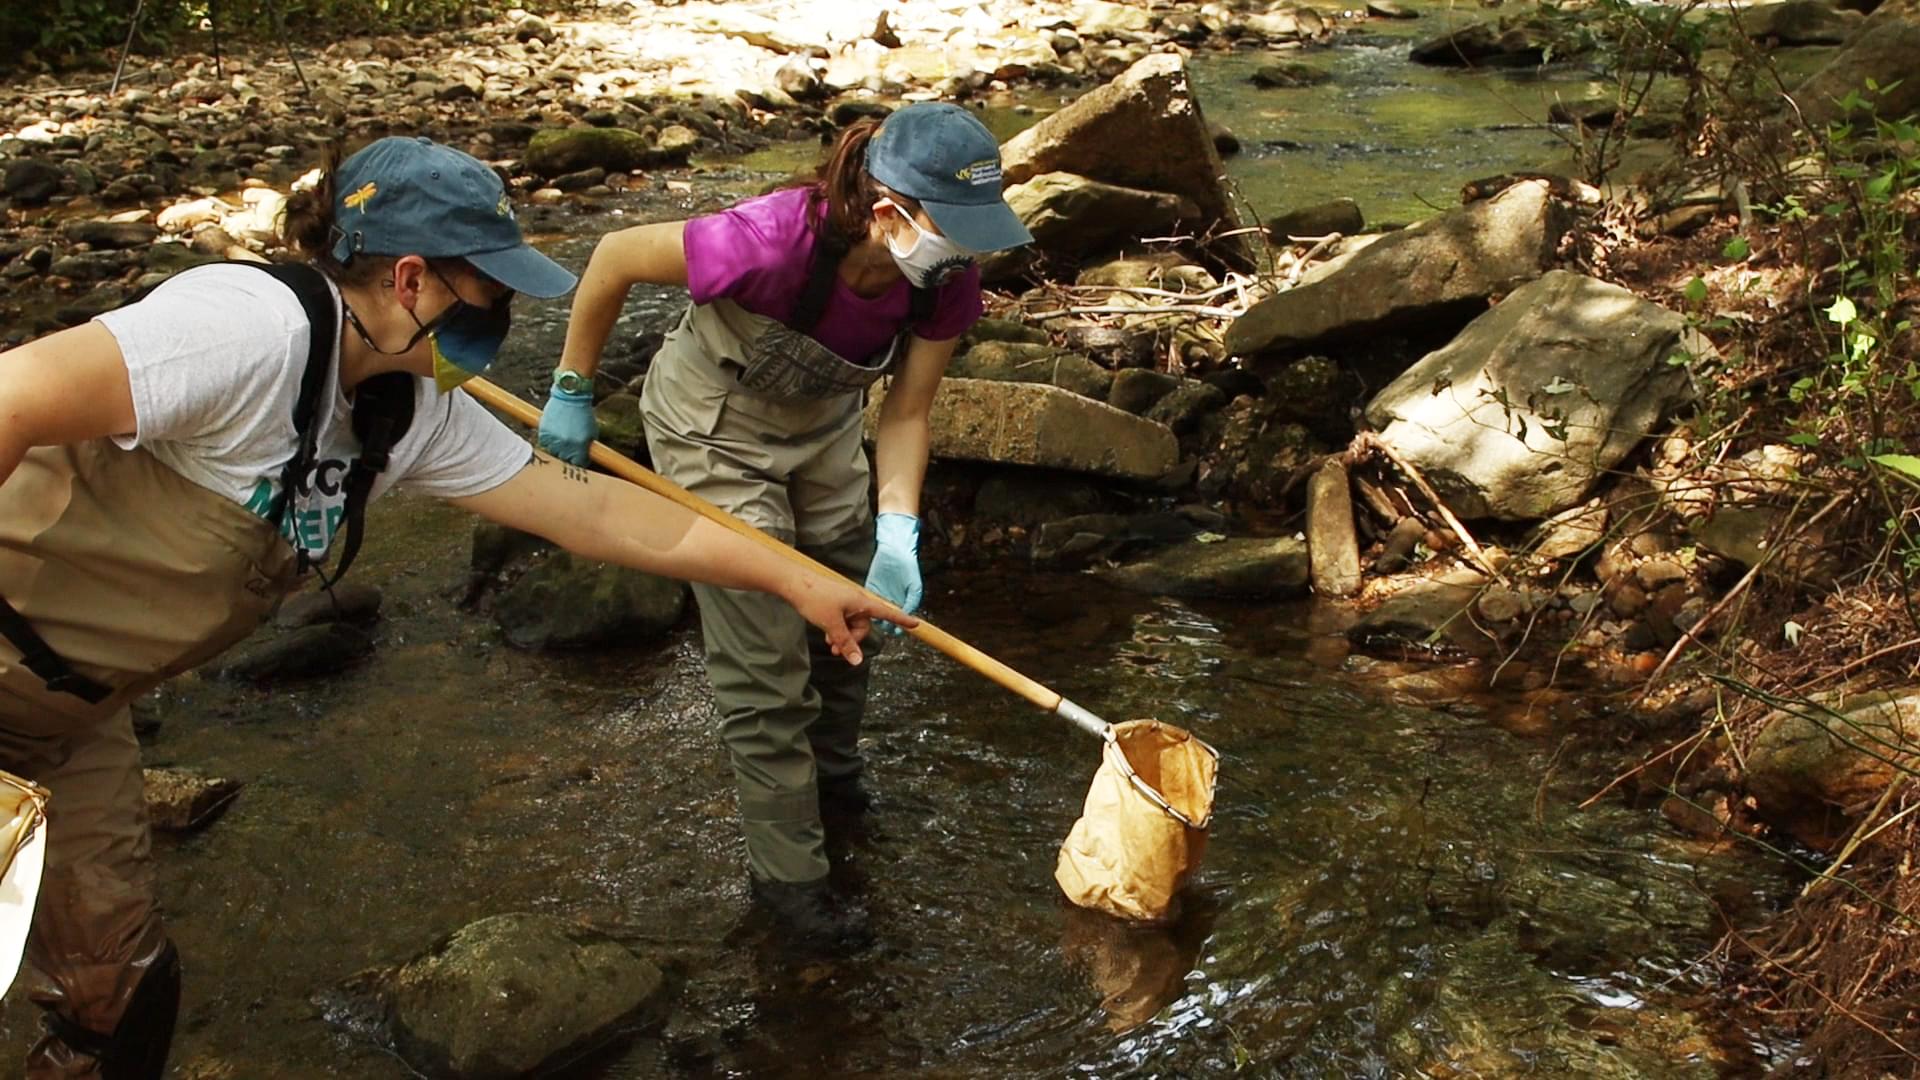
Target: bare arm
x=901 y=443
x=63 y=388
x=604 y=518
x=643 y=253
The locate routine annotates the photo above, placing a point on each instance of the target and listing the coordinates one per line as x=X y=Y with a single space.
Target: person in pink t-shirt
x=803 y=299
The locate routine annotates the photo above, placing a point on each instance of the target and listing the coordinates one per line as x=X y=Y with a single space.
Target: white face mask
x=932 y=259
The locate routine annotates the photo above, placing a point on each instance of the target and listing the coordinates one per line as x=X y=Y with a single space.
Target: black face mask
x=466 y=338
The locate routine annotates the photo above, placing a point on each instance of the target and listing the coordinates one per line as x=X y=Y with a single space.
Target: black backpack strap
x=382 y=413
x=38 y=657
x=828 y=250
x=920 y=307
x=309 y=286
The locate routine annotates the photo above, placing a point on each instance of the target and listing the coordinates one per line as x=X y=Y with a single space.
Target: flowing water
x=1397 y=883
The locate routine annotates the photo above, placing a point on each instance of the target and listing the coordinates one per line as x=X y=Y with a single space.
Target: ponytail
x=307 y=229
x=848 y=190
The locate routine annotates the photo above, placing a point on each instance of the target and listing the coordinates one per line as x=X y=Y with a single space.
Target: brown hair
x=843 y=183
x=306 y=228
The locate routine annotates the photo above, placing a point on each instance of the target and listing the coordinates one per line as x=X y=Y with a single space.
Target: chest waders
x=126 y=574
x=759 y=418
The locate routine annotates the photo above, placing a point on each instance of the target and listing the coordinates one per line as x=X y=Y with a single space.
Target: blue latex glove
x=895 y=573
x=567 y=425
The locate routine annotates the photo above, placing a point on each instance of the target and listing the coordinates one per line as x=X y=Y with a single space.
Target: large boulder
x=1074 y=216
x=1802 y=22
x=1142 y=130
x=1015 y=361
x=1885 y=49
x=1243 y=568
x=1442 y=269
x=1519 y=415
x=569 y=603
x=1815 y=766
x=1014 y=423
x=517 y=995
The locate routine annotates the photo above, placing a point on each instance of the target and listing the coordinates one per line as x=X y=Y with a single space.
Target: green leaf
x=1842 y=311
x=1900 y=463
x=1737 y=248
x=1804 y=439
x=1697 y=290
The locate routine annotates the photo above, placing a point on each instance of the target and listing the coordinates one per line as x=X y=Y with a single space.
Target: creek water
x=1398 y=884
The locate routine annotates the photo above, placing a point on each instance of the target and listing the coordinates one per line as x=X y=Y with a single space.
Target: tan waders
x=794 y=466
x=133 y=574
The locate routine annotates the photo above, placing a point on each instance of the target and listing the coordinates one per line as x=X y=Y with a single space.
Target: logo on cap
x=504 y=208
x=359 y=199
x=980 y=172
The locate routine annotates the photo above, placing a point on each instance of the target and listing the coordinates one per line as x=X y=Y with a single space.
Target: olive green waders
x=794 y=466
x=133 y=574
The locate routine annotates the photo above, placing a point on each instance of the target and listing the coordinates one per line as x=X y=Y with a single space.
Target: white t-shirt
x=215 y=357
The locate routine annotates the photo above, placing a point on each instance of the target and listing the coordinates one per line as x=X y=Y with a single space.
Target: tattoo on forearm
x=567 y=470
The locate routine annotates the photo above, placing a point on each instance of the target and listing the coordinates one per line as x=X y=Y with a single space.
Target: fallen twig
x=1373 y=441
x=1167 y=309
x=1859 y=836
x=1312 y=253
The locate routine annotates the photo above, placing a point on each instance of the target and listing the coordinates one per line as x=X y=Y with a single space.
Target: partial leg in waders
x=790 y=711
x=125 y=599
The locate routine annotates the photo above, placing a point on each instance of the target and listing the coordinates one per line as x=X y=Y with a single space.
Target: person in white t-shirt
x=158 y=497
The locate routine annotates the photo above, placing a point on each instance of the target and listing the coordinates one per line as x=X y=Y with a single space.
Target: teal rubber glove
x=895 y=572
x=567 y=425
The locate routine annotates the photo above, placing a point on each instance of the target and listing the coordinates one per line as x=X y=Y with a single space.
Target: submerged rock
x=1243 y=568
x=517 y=995
x=1431 y=617
x=569 y=603
x=180 y=800
x=309 y=651
x=349 y=601
x=1532 y=403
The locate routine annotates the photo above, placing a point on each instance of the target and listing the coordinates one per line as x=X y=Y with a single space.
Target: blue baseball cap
x=413 y=196
x=941 y=157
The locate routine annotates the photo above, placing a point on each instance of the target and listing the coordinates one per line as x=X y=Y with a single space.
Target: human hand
x=567 y=425
x=895 y=571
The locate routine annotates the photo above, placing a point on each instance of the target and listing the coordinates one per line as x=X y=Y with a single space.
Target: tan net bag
x=23 y=850
x=1144 y=827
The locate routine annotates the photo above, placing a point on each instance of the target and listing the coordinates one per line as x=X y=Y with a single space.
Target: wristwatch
x=568 y=381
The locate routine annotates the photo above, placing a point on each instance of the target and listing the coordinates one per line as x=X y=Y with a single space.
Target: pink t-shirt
x=757 y=252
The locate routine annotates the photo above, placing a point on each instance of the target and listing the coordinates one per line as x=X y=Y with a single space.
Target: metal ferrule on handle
x=626 y=469
x=1082 y=719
